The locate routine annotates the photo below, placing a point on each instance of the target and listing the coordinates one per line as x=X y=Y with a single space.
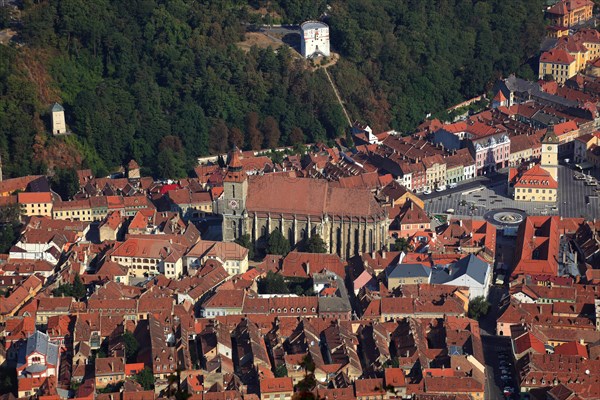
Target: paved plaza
x=575 y=199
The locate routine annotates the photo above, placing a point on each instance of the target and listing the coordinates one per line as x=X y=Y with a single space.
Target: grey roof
x=408 y=271
x=470 y=265
x=57 y=108
x=39 y=342
x=334 y=304
x=313 y=25
x=519 y=85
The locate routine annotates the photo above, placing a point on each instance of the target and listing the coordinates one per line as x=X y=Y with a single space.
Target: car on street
x=427 y=191
x=452 y=185
x=440 y=188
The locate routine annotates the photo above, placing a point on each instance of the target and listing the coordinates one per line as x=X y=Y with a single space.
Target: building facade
x=350 y=221
x=314 y=39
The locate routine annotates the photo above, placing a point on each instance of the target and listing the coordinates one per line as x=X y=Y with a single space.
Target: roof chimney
x=383 y=254
x=307 y=268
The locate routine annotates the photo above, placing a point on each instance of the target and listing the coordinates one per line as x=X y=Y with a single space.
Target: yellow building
x=558 y=63
x=568 y=13
x=35 y=203
x=583 y=47
x=539 y=183
x=75 y=210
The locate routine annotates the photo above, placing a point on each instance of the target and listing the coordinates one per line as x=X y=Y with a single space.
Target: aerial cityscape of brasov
x=299 y=199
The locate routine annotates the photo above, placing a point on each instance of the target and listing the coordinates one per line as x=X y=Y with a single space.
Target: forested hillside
x=163 y=82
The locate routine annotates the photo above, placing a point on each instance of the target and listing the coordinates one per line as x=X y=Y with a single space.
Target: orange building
x=568 y=13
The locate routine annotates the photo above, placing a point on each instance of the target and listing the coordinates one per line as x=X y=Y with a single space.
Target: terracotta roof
x=529 y=341
x=394 y=377
x=226 y=299
x=537 y=246
x=557 y=56
x=536 y=178
x=303 y=196
x=297 y=264
x=14 y=184
x=34 y=197
x=572 y=349
x=276 y=385
x=369 y=387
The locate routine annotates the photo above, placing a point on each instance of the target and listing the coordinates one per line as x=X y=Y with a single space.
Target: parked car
x=440 y=188
x=452 y=185
x=508 y=390
x=427 y=191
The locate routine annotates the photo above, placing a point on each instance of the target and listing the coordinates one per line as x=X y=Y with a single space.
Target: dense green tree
x=132 y=73
x=278 y=244
x=79 y=291
x=145 y=378
x=315 y=244
x=131 y=346
x=65 y=182
x=478 y=307
x=246 y=241
x=273 y=284
x=401 y=244
x=281 y=371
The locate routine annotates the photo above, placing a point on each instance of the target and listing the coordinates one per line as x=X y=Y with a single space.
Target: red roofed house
x=151 y=256
x=538 y=240
x=35 y=203
x=567 y=13
x=276 y=388
x=558 y=63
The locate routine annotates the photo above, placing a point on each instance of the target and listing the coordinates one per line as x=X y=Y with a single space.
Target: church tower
x=233 y=203
x=550 y=152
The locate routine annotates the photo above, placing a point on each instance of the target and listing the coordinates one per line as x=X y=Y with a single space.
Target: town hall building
x=539 y=183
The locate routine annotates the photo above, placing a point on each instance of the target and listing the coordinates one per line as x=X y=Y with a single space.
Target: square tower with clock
x=549 y=160
x=233 y=203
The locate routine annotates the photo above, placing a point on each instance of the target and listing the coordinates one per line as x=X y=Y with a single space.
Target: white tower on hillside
x=58 y=120
x=315 y=39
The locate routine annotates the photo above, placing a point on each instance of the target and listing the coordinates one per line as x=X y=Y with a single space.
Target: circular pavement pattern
x=505 y=216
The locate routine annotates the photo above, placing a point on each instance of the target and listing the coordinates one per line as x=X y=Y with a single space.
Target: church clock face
x=233 y=204
x=549 y=148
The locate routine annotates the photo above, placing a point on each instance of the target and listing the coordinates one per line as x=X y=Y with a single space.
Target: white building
x=470 y=271
x=315 y=39
x=59 y=126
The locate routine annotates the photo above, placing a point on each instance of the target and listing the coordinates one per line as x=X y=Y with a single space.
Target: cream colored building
x=75 y=210
x=35 y=203
x=232 y=256
x=151 y=256
x=435 y=168
x=558 y=63
x=539 y=183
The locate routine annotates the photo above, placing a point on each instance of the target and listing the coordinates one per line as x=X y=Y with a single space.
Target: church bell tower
x=233 y=203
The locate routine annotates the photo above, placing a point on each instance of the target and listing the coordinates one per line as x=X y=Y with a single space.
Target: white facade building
x=315 y=39
x=59 y=126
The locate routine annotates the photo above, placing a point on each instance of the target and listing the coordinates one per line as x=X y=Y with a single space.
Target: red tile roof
x=34 y=197
x=557 y=56
x=572 y=349
x=276 y=385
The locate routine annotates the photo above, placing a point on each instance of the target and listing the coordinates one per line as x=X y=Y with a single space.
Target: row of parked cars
x=441 y=188
x=505 y=369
